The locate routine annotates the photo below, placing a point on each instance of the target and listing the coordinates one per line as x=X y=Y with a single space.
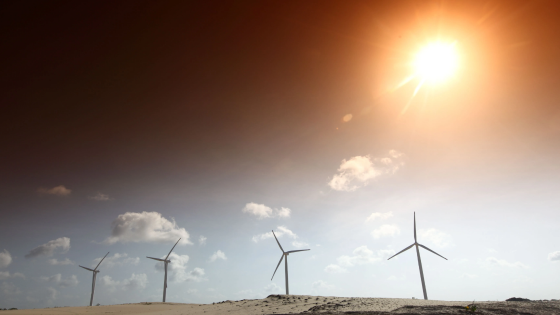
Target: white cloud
x=280 y=231
x=56 y=262
x=146 y=227
x=437 y=237
x=202 y=240
x=554 y=256
x=386 y=230
x=48 y=248
x=359 y=170
x=53 y=294
x=261 y=211
x=5 y=259
x=100 y=197
x=379 y=215
x=57 y=191
x=136 y=281
x=63 y=283
x=332 y=268
x=298 y=244
x=322 y=285
x=362 y=255
x=272 y=288
x=493 y=261
x=177 y=269
x=6 y=275
x=218 y=255
x=117 y=260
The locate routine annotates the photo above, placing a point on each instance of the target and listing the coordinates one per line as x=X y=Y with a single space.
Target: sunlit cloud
x=135 y=282
x=5 y=259
x=48 y=248
x=379 y=215
x=386 y=230
x=57 y=191
x=280 y=231
x=177 y=269
x=358 y=171
x=261 y=211
x=218 y=255
x=146 y=227
x=437 y=237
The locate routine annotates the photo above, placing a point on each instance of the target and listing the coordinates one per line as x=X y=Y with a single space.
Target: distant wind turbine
x=165 y=262
x=284 y=254
x=419 y=260
x=95 y=271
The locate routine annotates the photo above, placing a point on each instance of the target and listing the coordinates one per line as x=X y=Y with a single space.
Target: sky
x=128 y=125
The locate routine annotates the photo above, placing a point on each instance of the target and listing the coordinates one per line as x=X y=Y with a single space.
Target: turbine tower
x=418 y=255
x=165 y=262
x=95 y=271
x=284 y=254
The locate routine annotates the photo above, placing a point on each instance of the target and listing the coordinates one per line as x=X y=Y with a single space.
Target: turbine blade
x=155 y=258
x=415 y=227
x=277 y=267
x=86 y=268
x=101 y=261
x=299 y=250
x=431 y=251
x=278 y=242
x=404 y=250
x=172 y=249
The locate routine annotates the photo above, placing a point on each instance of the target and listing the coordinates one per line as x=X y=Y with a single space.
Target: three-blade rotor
x=283 y=254
x=95 y=269
x=165 y=260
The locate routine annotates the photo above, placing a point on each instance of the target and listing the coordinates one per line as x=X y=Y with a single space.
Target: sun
x=436 y=62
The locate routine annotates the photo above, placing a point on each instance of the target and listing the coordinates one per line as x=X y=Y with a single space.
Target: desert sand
x=294 y=304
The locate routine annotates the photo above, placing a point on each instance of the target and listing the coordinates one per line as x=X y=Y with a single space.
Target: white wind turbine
x=284 y=254
x=165 y=262
x=95 y=271
x=418 y=255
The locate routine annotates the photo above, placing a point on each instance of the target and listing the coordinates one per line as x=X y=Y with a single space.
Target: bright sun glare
x=436 y=62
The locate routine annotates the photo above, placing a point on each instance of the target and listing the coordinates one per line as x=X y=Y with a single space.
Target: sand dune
x=274 y=304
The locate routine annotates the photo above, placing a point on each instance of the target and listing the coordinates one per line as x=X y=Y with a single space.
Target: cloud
x=386 y=230
x=554 y=256
x=218 y=255
x=332 y=268
x=437 y=237
x=280 y=231
x=493 y=261
x=63 y=283
x=53 y=294
x=347 y=118
x=56 y=262
x=8 y=288
x=261 y=211
x=322 y=285
x=202 y=240
x=116 y=260
x=136 y=281
x=177 y=269
x=362 y=255
x=57 y=191
x=146 y=227
x=5 y=259
x=359 y=170
x=272 y=288
x=6 y=275
x=48 y=249
x=379 y=215
x=299 y=244
x=100 y=197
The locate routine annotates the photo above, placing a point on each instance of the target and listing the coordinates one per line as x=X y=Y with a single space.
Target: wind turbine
x=284 y=254
x=95 y=271
x=419 y=260
x=165 y=262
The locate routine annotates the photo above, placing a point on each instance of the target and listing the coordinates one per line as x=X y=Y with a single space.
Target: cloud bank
x=261 y=211
x=146 y=227
x=48 y=249
x=358 y=171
